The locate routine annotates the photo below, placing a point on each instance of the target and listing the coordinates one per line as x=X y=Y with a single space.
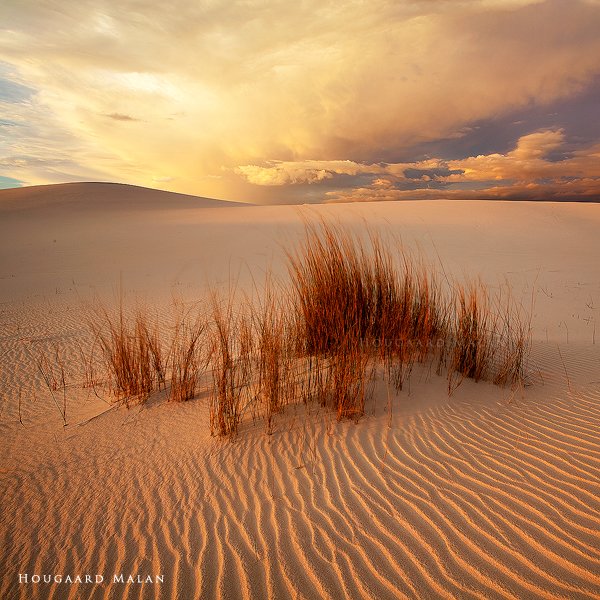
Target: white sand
x=485 y=494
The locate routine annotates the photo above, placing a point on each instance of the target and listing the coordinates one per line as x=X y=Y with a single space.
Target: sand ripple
x=461 y=498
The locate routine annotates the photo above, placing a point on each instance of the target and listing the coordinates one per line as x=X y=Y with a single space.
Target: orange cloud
x=525 y=172
x=308 y=171
x=528 y=161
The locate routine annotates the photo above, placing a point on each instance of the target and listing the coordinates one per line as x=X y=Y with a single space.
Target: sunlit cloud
x=529 y=162
x=310 y=171
x=526 y=172
x=246 y=99
x=120 y=117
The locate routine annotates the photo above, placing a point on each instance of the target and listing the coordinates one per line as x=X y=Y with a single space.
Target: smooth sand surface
x=489 y=493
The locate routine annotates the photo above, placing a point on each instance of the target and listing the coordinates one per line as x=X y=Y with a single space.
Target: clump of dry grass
x=513 y=355
x=231 y=347
x=342 y=289
x=419 y=320
x=140 y=357
x=514 y=334
x=151 y=345
x=340 y=301
x=430 y=313
x=474 y=337
x=313 y=379
x=347 y=292
x=273 y=344
x=131 y=350
x=185 y=359
x=490 y=340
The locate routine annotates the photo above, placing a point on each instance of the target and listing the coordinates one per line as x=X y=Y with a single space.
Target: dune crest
x=86 y=196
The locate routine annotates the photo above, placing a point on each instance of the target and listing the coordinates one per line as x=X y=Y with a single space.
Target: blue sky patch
x=9 y=182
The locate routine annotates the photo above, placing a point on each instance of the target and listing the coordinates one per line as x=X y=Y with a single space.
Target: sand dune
x=489 y=493
x=99 y=197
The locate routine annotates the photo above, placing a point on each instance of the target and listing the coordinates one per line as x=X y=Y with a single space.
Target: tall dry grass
x=187 y=357
x=349 y=375
x=352 y=305
x=350 y=292
x=274 y=354
x=140 y=357
x=231 y=364
x=514 y=332
x=339 y=300
x=330 y=293
x=131 y=350
x=489 y=339
x=474 y=340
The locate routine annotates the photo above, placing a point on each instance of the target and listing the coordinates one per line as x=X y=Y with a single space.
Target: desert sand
x=489 y=493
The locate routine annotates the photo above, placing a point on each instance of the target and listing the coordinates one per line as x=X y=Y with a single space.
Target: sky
x=294 y=101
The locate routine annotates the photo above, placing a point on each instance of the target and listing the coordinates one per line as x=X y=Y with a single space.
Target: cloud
x=12 y=92
x=585 y=189
x=37 y=149
x=249 y=90
x=310 y=171
x=120 y=117
x=526 y=173
x=279 y=173
x=529 y=162
x=537 y=145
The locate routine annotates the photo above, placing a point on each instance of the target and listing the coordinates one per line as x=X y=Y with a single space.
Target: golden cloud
x=525 y=172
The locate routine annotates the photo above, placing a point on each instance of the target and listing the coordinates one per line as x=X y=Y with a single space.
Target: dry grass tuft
x=273 y=342
x=490 y=340
x=349 y=377
x=131 y=351
x=186 y=360
x=349 y=293
x=231 y=347
x=332 y=290
x=473 y=336
x=514 y=334
x=141 y=358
